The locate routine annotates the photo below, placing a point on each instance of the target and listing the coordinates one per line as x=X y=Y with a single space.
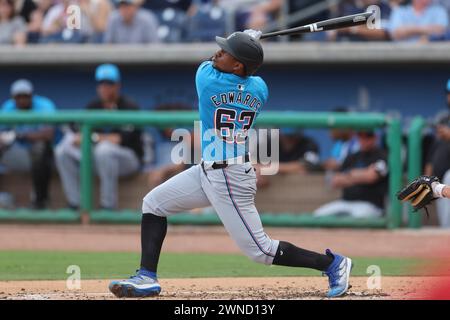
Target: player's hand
x=76 y=140
x=340 y=180
x=7 y=138
x=253 y=33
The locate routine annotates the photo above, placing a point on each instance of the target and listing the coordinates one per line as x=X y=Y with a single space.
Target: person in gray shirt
x=12 y=28
x=131 y=24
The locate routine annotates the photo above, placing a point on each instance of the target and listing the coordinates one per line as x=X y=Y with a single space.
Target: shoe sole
x=128 y=291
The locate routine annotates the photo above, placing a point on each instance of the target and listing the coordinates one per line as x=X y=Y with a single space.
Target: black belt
x=224 y=164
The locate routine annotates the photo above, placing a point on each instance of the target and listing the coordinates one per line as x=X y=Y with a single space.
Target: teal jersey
x=228 y=107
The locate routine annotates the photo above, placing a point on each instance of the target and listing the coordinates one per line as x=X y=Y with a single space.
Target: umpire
x=117 y=151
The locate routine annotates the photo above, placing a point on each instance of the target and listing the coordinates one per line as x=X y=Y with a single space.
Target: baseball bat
x=331 y=24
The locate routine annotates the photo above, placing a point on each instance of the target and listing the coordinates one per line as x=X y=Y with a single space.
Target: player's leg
x=111 y=162
x=333 y=208
x=16 y=158
x=180 y=193
x=67 y=160
x=41 y=171
x=364 y=209
x=231 y=191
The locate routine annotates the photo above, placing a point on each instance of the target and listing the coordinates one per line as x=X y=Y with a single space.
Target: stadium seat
x=206 y=24
x=171 y=25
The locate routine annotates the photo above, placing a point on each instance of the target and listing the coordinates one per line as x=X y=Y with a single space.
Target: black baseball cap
x=243 y=48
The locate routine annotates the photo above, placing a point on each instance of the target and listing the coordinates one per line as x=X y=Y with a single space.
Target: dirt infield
x=363 y=243
x=223 y=288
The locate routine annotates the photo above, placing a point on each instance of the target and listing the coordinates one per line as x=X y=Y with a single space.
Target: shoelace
x=136 y=276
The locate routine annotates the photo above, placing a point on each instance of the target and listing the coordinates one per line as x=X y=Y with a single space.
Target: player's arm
x=43 y=134
x=291 y=167
x=369 y=175
x=411 y=31
x=440 y=190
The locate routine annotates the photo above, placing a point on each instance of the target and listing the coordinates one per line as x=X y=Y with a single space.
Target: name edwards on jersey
x=236 y=97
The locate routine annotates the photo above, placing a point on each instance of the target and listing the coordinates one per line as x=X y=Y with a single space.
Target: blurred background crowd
x=174 y=21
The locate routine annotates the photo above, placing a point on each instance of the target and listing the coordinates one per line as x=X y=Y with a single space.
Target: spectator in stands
x=163 y=166
x=131 y=24
x=56 y=28
x=12 y=27
x=242 y=14
x=206 y=20
x=419 y=22
x=298 y=154
x=117 y=151
x=37 y=19
x=363 y=179
x=362 y=33
x=98 y=12
x=438 y=162
x=263 y=13
x=25 y=8
x=29 y=148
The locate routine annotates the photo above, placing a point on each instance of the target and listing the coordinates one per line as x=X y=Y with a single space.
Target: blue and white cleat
x=338 y=274
x=140 y=285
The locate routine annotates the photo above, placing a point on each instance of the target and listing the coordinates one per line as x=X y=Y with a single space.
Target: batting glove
x=253 y=33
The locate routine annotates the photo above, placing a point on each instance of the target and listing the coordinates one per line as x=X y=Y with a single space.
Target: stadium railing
x=91 y=119
x=415 y=164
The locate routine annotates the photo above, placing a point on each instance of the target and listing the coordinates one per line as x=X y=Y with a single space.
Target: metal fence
x=87 y=120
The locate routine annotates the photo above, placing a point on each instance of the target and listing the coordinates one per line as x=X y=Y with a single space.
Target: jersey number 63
x=225 y=121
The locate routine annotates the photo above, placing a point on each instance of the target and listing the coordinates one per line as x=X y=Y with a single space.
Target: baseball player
x=230 y=98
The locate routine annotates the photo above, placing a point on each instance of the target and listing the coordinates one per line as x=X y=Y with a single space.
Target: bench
x=293 y=193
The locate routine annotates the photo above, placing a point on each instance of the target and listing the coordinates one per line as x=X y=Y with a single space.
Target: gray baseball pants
x=231 y=192
x=110 y=162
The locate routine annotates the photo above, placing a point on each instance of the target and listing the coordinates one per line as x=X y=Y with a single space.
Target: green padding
x=39 y=216
x=272 y=220
x=134 y=217
x=164 y=119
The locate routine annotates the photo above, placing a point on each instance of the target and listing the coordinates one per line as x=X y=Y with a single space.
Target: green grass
x=44 y=265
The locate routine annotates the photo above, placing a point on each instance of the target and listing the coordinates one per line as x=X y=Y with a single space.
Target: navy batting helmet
x=245 y=49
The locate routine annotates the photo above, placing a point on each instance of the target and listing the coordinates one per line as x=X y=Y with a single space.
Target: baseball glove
x=419 y=192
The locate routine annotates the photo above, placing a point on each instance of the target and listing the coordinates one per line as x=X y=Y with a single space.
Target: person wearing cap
x=130 y=24
x=230 y=99
x=31 y=149
x=117 y=151
x=363 y=180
